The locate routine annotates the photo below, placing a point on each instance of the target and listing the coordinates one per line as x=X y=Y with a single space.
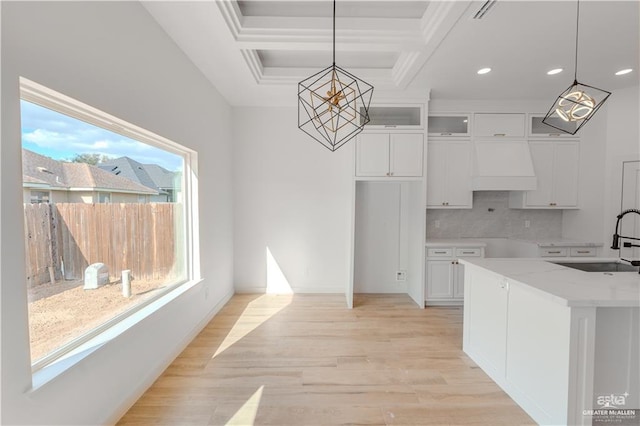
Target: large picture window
x=108 y=225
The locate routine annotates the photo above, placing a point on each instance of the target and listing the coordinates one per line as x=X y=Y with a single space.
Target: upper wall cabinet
x=499 y=125
x=538 y=129
x=449 y=174
x=394 y=117
x=556 y=165
x=445 y=125
x=389 y=155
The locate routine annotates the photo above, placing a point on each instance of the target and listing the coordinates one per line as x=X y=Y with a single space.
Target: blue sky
x=61 y=137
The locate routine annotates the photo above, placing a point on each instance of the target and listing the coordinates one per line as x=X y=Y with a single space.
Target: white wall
x=611 y=137
x=380 y=214
x=113 y=56
x=292 y=196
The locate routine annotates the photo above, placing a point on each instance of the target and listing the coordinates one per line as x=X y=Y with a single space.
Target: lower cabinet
x=445 y=276
x=485 y=321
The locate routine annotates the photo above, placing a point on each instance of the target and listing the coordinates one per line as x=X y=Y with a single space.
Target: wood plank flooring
x=307 y=360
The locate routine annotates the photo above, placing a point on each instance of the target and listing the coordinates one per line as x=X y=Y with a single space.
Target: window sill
x=48 y=373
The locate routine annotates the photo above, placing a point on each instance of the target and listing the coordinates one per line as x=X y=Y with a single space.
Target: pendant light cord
x=575 y=75
x=334 y=32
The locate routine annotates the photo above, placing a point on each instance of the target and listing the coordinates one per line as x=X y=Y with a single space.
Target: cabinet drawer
x=582 y=251
x=468 y=252
x=553 y=252
x=440 y=252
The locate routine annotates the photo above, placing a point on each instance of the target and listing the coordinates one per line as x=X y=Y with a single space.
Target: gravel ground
x=63 y=311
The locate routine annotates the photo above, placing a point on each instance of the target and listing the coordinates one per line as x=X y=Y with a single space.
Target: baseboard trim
x=308 y=290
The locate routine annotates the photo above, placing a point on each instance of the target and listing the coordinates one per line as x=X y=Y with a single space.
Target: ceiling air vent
x=484 y=9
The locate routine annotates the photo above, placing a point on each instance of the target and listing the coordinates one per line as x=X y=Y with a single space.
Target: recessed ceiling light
x=624 y=71
x=554 y=71
x=484 y=70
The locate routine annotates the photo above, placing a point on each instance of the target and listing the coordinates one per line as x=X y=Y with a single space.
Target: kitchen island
x=559 y=341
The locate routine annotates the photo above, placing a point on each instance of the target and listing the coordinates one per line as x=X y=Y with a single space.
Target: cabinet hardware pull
x=584 y=251
x=440 y=252
x=468 y=252
x=445 y=134
x=554 y=252
x=499 y=134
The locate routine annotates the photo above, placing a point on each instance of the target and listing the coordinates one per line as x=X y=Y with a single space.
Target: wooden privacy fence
x=63 y=239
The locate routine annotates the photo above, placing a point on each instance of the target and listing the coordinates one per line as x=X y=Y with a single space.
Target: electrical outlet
x=437 y=223
x=401 y=275
x=527 y=223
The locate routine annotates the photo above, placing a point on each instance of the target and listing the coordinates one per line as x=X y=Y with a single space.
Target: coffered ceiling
x=255 y=52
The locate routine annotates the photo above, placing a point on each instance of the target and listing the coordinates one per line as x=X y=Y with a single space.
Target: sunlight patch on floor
x=246 y=415
x=253 y=316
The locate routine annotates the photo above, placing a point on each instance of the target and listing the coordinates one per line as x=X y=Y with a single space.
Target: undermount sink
x=599 y=266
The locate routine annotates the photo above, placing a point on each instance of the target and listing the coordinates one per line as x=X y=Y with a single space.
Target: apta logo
x=612 y=401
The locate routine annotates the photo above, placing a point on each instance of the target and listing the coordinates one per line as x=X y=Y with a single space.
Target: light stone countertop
x=560 y=243
x=475 y=242
x=567 y=286
x=463 y=242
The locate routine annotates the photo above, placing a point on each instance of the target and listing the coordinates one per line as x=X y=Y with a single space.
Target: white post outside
x=126 y=283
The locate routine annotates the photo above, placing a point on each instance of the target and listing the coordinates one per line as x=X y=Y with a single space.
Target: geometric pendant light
x=576 y=105
x=333 y=104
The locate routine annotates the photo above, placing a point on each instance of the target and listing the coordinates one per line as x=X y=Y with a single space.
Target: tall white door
x=630 y=224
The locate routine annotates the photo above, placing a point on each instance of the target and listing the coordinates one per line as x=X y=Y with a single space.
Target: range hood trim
x=503 y=165
x=502 y=183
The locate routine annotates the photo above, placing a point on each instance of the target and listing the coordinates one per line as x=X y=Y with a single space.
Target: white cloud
x=54 y=132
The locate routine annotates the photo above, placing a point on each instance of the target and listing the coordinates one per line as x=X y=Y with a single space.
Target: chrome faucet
x=615 y=245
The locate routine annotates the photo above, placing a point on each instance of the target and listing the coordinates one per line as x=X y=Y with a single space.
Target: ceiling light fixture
x=624 y=71
x=576 y=105
x=484 y=71
x=333 y=104
x=554 y=71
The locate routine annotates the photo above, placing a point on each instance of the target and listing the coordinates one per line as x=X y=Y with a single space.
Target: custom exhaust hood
x=502 y=165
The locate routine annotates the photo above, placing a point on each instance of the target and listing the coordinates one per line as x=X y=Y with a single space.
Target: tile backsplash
x=491 y=217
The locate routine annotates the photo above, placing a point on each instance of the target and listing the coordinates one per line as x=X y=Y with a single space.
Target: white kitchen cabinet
x=556 y=164
x=449 y=125
x=389 y=154
x=560 y=251
x=394 y=116
x=510 y=125
x=538 y=129
x=440 y=278
x=485 y=321
x=449 y=174
x=445 y=275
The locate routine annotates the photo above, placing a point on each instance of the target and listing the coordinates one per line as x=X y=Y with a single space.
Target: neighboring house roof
x=150 y=175
x=41 y=170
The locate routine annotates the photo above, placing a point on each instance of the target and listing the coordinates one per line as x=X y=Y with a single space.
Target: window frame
x=37 y=200
x=33 y=92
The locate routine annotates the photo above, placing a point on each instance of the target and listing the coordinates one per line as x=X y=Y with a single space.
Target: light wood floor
x=307 y=360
